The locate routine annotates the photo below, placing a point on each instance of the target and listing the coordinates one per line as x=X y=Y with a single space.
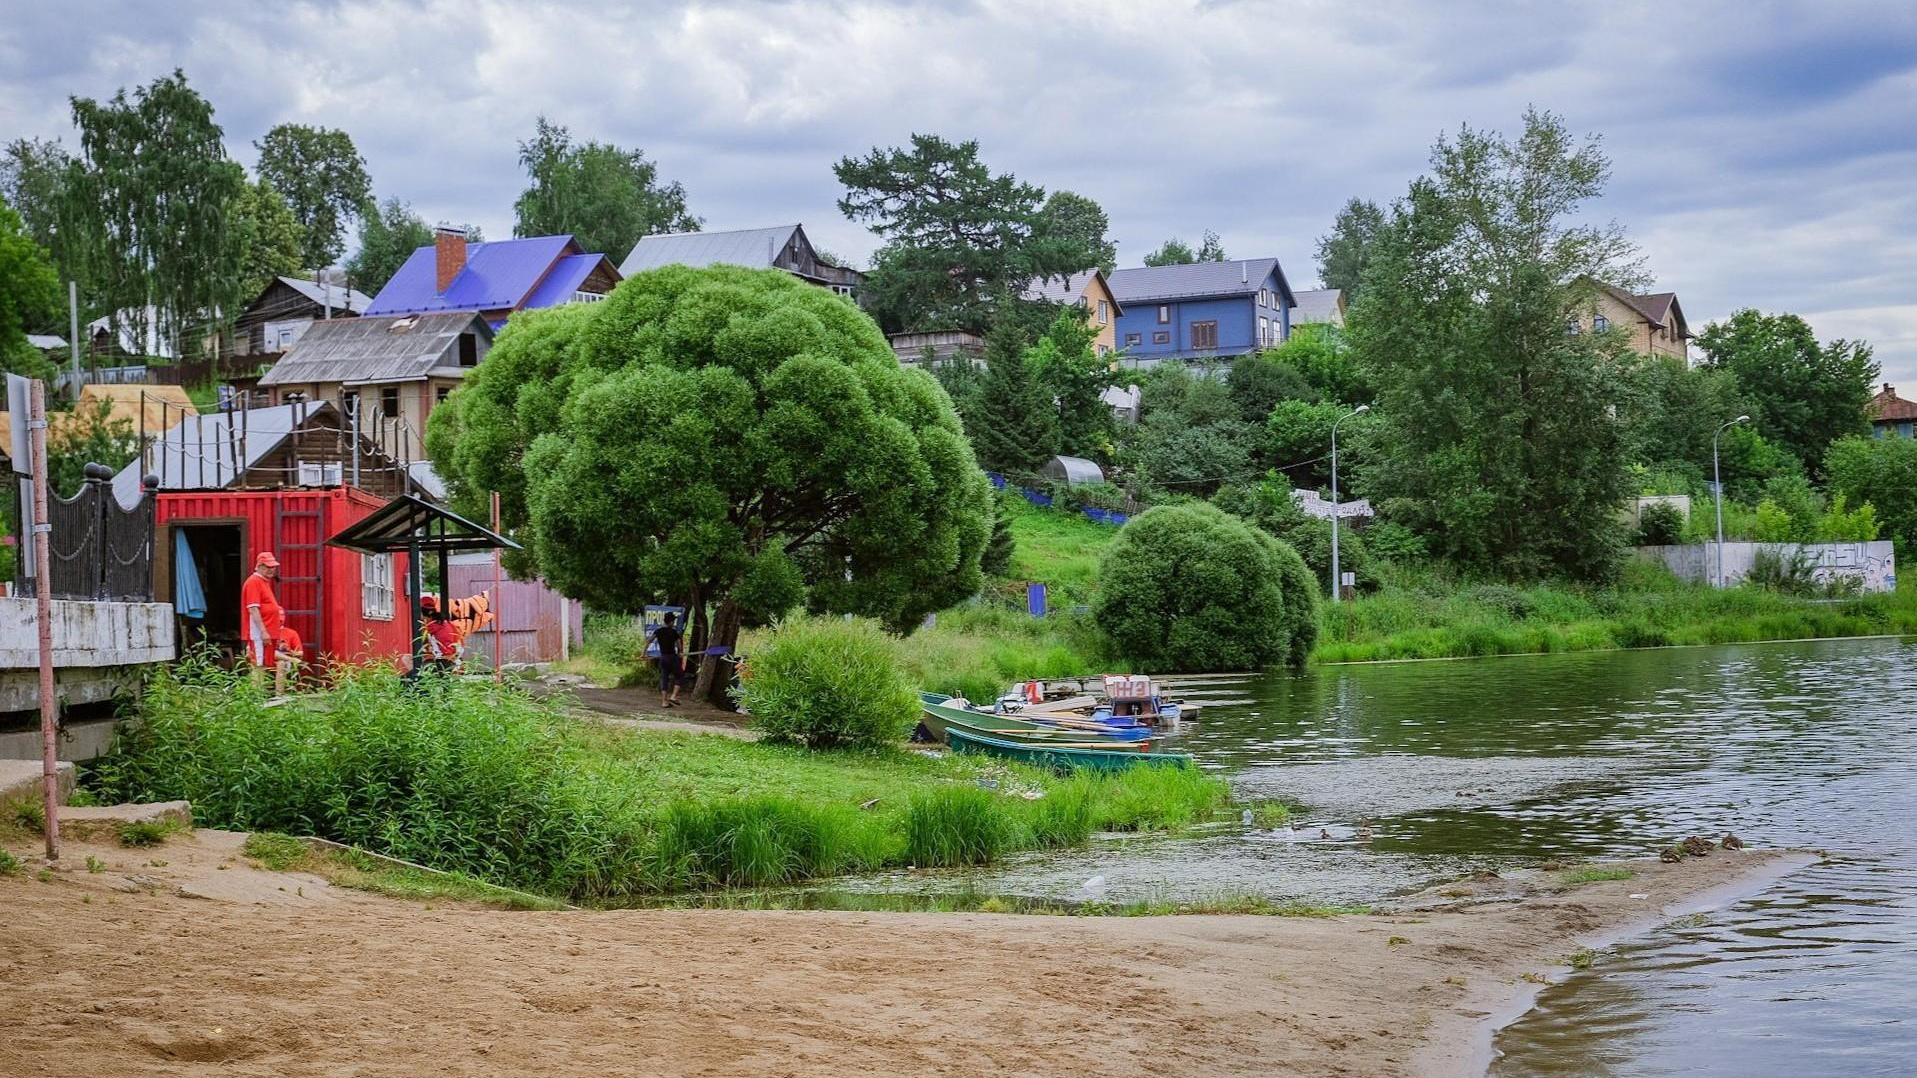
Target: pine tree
x=1017 y=428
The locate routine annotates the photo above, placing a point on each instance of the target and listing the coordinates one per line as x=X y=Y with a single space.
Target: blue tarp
x=189 y=598
x=1035 y=497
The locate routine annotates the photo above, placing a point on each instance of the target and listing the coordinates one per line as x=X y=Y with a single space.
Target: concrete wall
x=1873 y=563
x=99 y=649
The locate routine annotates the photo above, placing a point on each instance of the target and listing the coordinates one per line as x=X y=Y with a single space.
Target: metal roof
x=1198 y=280
x=408 y=521
x=211 y=452
x=1320 y=305
x=373 y=348
x=346 y=299
x=754 y=248
x=46 y=341
x=1069 y=289
x=567 y=275
x=500 y=274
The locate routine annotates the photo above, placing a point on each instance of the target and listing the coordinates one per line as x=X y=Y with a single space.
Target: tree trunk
x=725 y=633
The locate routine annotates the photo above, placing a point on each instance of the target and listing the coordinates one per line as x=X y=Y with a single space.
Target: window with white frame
x=376 y=591
x=1104 y=312
x=1264 y=330
x=1164 y=314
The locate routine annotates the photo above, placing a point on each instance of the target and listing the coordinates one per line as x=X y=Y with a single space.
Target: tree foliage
x=323 y=179
x=1176 y=252
x=727 y=438
x=388 y=236
x=148 y=200
x=1346 y=252
x=270 y=239
x=1189 y=587
x=1268 y=505
x=1190 y=437
x=29 y=296
x=1079 y=223
x=826 y=683
x=960 y=241
x=1804 y=395
x=33 y=178
x=606 y=197
x=1016 y=426
x=1498 y=441
x=1880 y=473
x=1072 y=375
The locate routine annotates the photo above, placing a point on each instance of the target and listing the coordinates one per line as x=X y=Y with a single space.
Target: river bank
x=190 y=954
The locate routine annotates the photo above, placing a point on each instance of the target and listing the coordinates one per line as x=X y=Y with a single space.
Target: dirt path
x=286 y=976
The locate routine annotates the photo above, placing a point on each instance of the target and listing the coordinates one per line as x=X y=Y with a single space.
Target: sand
x=165 y=962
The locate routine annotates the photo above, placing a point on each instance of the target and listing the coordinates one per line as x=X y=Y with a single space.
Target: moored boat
x=1061 y=756
x=939 y=711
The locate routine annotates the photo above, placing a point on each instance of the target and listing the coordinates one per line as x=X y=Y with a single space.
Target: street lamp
x=1717 y=480
x=1336 y=580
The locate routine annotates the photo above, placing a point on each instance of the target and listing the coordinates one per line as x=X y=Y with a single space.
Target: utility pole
x=73 y=332
x=43 y=610
x=1337 y=580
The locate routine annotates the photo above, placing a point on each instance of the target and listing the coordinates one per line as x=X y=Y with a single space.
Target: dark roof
x=1888 y=407
x=1657 y=308
x=372 y=348
x=754 y=248
x=1197 y=280
x=408 y=519
x=500 y=275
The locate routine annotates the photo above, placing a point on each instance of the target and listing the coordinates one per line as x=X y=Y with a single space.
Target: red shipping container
x=345 y=606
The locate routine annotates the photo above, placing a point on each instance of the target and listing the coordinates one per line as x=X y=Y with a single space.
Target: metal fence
x=99 y=550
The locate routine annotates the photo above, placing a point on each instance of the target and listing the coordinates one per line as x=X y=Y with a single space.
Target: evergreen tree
x=1017 y=427
x=1073 y=374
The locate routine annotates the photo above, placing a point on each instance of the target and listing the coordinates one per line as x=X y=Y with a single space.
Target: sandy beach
x=186 y=959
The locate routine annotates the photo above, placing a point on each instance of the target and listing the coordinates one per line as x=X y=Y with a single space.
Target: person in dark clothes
x=672 y=663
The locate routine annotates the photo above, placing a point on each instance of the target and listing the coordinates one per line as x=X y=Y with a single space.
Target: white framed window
x=376 y=591
x=1264 y=330
x=1164 y=315
x=1104 y=313
x=587 y=297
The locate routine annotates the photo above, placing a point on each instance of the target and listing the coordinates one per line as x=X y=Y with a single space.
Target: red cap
x=430 y=602
x=266 y=558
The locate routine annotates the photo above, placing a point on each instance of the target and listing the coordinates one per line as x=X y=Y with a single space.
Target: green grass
x=148 y=833
x=1061 y=549
x=350 y=868
x=971 y=901
x=489 y=782
x=1584 y=958
x=9 y=864
x=1595 y=874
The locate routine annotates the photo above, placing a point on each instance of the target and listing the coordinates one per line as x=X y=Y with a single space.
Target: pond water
x=1409 y=773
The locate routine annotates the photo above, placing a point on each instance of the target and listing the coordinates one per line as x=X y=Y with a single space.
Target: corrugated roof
x=754 y=248
x=346 y=299
x=567 y=275
x=375 y=348
x=210 y=452
x=501 y=274
x=46 y=341
x=1069 y=289
x=1888 y=407
x=1197 y=280
x=1320 y=305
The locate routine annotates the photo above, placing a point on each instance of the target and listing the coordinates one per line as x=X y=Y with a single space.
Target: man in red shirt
x=261 y=618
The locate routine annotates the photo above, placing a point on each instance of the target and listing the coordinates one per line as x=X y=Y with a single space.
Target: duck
x=1731 y=842
x=1698 y=846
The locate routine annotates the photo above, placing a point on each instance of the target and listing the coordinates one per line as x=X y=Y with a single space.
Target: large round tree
x=1190 y=587
x=734 y=440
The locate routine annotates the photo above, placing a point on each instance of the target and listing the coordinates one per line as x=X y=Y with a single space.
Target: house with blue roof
x=494 y=279
x=1201 y=311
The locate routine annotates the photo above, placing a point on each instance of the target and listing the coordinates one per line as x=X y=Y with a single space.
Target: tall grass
x=491 y=783
x=976 y=651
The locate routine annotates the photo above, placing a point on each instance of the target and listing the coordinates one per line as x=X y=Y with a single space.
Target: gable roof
x=375 y=348
x=211 y=452
x=1069 y=289
x=754 y=248
x=1198 y=280
x=565 y=278
x=1888 y=407
x=1657 y=308
x=345 y=299
x=502 y=274
x=1319 y=305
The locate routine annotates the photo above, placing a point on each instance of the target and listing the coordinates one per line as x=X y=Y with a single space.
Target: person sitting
x=441 y=639
x=289 y=656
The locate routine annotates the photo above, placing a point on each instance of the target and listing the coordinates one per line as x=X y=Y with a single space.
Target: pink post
x=43 y=608
x=499 y=598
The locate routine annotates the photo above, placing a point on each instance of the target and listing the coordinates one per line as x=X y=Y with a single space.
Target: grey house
x=389 y=370
x=779 y=247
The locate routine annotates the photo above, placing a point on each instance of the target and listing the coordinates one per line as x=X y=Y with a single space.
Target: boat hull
x=939 y=712
x=1059 y=757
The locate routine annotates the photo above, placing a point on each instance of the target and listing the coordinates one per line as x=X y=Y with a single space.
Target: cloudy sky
x=1764 y=154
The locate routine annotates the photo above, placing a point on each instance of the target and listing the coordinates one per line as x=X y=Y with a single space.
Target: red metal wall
x=319 y=585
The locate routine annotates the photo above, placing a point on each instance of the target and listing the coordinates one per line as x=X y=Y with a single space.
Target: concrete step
x=80 y=824
x=20 y=782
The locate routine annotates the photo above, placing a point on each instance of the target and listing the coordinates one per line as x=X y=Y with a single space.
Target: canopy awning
x=410 y=523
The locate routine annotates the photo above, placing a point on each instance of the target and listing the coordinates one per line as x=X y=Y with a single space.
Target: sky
x=1763 y=155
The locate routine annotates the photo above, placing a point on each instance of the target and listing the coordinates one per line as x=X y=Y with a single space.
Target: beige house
x=1322 y=305
x=389 y=371
x=1089 y=290
x=1653 y=323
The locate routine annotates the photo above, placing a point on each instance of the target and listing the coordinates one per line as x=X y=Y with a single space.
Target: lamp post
x=1717 y=480
x=1336 y=580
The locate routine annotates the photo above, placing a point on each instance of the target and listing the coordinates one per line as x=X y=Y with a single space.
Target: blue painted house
x=1205 y=310
x=494 y=279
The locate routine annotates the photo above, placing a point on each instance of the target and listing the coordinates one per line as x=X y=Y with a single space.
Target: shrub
x=956 y=825
x=1660 y=524
x=1882 y=472
x=1390 y=539
x=828 y=683
x=1789 y=574
x=1190 y=587
x=750 y=842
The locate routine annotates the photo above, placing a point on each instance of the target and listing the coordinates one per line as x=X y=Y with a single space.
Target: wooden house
x=1202 y=310
x=784 y=247
x=1090 y=292
x=284 y=310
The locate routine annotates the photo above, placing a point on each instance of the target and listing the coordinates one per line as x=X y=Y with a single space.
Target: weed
x=1584 y=958
x=275 y=851
x=956 y=825
x=1534 y=978
x=95 y=865
x=9 y=864
x=1595 y=874
x=45 y=875
x=147 y=832
x=1396 y=940
x=31 y=815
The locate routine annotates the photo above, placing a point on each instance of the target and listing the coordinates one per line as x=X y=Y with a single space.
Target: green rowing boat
x=940 y=712
x=1061 y=757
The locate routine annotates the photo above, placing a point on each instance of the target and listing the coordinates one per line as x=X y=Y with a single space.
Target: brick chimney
x=449 y=255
